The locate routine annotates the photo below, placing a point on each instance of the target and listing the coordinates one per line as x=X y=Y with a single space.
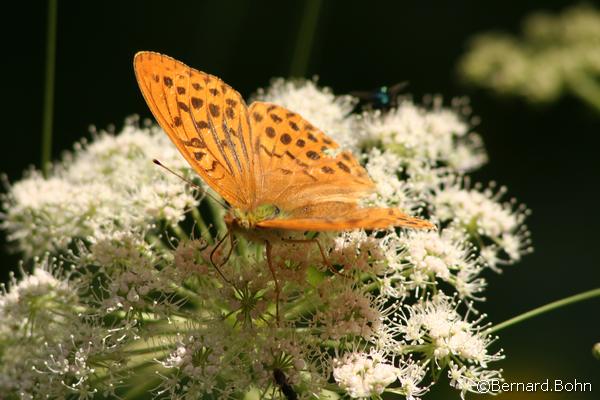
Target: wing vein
x=213 y=130
x=230 y=143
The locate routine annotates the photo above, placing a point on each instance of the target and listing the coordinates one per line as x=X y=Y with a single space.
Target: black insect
x=285 y=387
x=382 y=98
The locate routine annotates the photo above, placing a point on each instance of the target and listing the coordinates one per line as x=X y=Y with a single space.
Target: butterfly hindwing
x=205 y=118
x=357 y=218
x=299 y=164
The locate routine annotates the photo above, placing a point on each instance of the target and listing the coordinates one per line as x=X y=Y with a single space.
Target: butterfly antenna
x=155 y=161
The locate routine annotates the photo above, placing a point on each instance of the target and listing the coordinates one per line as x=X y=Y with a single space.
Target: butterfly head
x=249 y=219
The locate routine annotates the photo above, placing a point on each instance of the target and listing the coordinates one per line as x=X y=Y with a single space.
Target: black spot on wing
x=285 y=139
x=313 y=155
x=196 y=102
x=214 y=109
x=257 y=116
x=343 y=167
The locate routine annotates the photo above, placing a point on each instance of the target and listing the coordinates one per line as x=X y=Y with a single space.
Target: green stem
x=548 y=307
x=305 y=39
x=159 y=243
x=181 y=235
x=49 y=88
x=217 y=213
x=242 y=247
x=142 y=388
x=202 y=227
x=141 y=351
x=192 y=297
x=128 y=370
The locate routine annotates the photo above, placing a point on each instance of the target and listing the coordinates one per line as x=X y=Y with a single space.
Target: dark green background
x=547 y=156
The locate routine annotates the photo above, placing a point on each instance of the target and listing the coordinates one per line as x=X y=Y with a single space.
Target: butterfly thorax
x=246 y=223
x=249 y=219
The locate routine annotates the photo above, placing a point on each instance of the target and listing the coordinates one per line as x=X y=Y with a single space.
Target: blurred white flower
x=556 y=54
x=596 y=350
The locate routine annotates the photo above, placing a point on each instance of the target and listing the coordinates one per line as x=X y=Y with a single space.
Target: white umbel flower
x=418 y=134
x=152 y=292
x=468 y=378
x=481 y=213
x=363 y=375
x=417 y=259
x=410 y=376
x=391 y=191
x=110 y=183
x=32 y=300
x=438 y=324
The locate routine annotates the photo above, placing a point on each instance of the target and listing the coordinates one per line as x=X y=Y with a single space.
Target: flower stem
x=545 y=308
x=216 y=212
x=242 y=247
x=305 y=40
x=49 y=88
x=142 y=387
x=202 y=227
x=181 y=235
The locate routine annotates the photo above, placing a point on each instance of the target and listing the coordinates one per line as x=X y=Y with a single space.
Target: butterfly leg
x=214 y=250
x=269 y=248
x=325 y=259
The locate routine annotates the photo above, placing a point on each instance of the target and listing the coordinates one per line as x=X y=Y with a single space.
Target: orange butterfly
x=276 y=170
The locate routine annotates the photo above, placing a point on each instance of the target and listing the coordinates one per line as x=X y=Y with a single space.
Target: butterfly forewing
x=206 y=119
x=300 y=165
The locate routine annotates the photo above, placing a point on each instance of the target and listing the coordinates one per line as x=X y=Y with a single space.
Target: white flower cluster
x=496 y=227
x=362 y=375
x=417 y=260
x=145 y=294
x=419 y=135
x=109 y=185
x=557 y=54
x=45 y=341
x=20 y=298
